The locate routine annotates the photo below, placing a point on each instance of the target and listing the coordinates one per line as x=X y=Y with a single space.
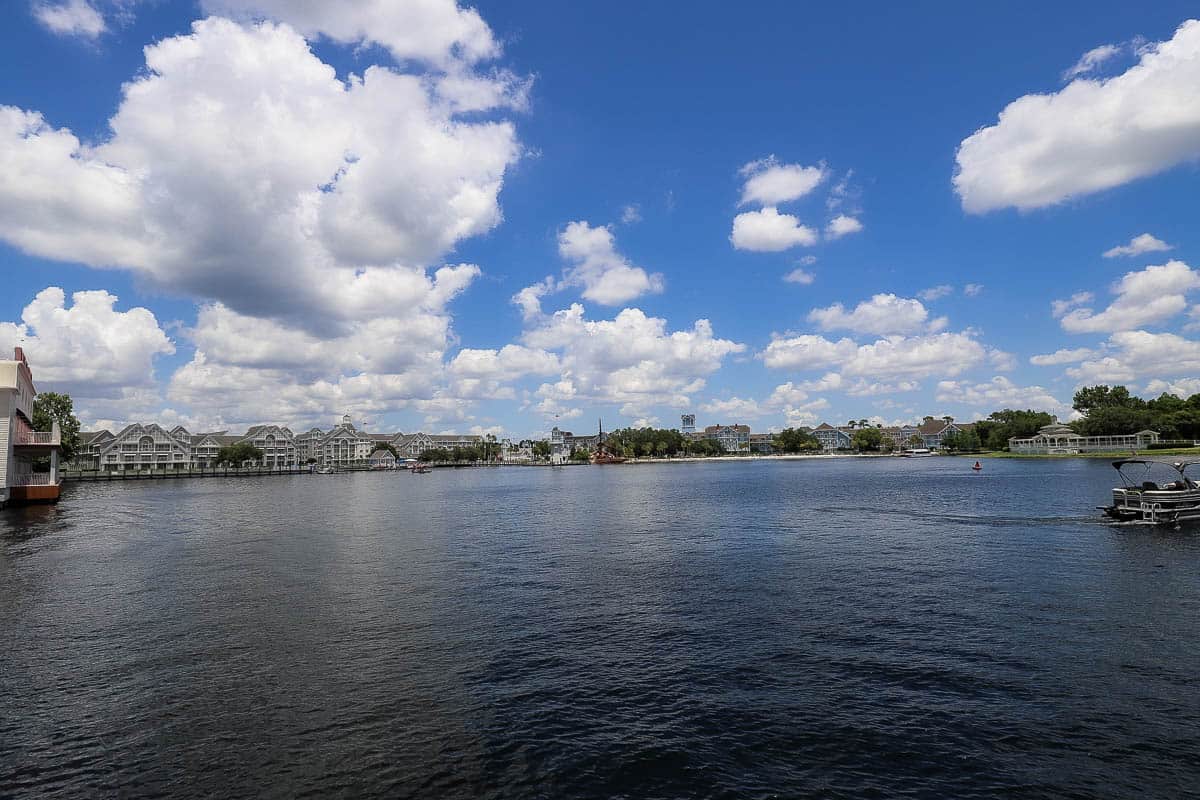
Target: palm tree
x=862 y=423
x=851 y=424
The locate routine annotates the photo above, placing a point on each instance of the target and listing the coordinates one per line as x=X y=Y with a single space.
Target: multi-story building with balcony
x=28 y=458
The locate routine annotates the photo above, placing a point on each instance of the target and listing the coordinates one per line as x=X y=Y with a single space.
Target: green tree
x=867 y=439
x=435 y=454
x=795 y=440
x=541 y=449
x=51 y=407
x=580 y=455
x=237 y=455
x=1090 y=398
x=1000 y=426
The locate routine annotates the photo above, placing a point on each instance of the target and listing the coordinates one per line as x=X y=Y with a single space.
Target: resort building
x=559 y=452
x=28 y=458
x=277 y=444
x=732 y=438
x=382 y=459
x=343 y=446
x=762 y=443
x=146 y=446
x=933 y=430
x=832 y=438
x=1059 y=439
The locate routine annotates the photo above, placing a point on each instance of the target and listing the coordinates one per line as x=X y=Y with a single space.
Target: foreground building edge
x=29 y=470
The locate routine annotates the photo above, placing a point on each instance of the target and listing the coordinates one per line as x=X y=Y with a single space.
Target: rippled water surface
x=837 y=628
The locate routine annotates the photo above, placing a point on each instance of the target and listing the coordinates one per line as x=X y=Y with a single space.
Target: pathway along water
x=833 y=629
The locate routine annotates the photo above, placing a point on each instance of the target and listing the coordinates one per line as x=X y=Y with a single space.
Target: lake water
x=832 y=628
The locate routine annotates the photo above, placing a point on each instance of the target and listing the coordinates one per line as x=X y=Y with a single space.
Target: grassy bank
x=1176 y=451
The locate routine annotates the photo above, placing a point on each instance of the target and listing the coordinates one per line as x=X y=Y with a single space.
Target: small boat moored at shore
x=1170 y=500
x=920 y=452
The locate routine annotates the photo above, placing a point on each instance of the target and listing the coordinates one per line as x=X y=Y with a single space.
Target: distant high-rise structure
x=689 y=424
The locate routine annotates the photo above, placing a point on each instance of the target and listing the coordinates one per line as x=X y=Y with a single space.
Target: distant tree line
x=660 y=442
x=1112 y=411
x=488 y=449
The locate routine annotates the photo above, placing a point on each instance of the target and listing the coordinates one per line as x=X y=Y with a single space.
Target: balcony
x=24 y=435
x=33 y=479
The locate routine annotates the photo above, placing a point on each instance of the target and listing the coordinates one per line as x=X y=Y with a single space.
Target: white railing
x=23 y=434
x=33 y=479
x=26 y=436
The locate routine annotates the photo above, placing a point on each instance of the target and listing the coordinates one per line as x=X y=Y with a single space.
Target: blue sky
x=258 y=235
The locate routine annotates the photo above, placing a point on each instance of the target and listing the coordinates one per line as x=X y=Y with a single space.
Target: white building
x=1059 y=439
x=22 y=448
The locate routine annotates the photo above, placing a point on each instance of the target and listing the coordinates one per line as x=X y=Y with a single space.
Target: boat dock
x=90 y=476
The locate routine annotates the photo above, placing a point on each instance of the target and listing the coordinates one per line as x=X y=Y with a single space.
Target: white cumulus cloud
x=607 y=277
x=1090 y=136
x=770 y=183
x=436 y=31
x=70 y=18
x=239 y=168
x=999 y=392
x=882 y=314
x=1144 y=243
x=842 y=225
x=768 y=231
x=631 y=359
x=1147 y=296
x=87 y=348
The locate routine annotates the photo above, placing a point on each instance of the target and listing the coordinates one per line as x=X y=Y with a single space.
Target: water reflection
x=829 y=629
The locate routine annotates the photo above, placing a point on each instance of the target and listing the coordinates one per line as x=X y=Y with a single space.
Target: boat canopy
x=1178 y=466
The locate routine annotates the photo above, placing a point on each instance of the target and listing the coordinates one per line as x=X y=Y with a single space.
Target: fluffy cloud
x=768 y=231
x=842 y=225
x=1063 y=356
x=246 y=366
x=908 y=357
x=607 y=277
x=1090 y=136
x=1130 y=355
x=1060 y=307
x=999 y=392
x=435 y=31
x=800 y=276
x=241 y=169
x=770 y=183
x=70 y=18
x=1183 y=387
x=735 y=408
x=807 y=351
x=631 y=359
x=1150 y=295
x=1145 y=243
x=936 y=292
x=788 y=400
x=882 y=314
x=973 y=289
x=510 y=361
x=88 y=349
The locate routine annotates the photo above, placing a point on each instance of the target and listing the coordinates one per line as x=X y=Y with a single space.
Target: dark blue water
x=841 y=628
